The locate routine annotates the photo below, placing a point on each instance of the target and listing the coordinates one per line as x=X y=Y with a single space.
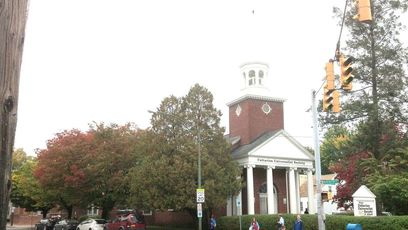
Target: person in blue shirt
x=298 y=225
x=213 y=223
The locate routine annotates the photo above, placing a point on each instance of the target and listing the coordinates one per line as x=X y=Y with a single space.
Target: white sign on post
x=200 y=195
x=199 y=210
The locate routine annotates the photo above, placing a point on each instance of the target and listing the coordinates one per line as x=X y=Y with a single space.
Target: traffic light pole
x=320 y=214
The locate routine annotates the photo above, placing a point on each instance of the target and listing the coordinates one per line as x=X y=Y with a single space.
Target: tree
x=13 y=17
x=27 y=191
x=350 y=177
x=378 y=103
x=334 y=147
x=61 y=168
x=181 y=129
x=378 y=72
x=109 y=161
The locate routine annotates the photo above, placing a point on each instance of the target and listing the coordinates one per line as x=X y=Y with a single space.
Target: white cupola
x=255 y=78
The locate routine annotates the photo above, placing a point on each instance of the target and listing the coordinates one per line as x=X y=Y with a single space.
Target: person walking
x=298 y=225
x=213 y=222
x=281 y=223
x=254 y=225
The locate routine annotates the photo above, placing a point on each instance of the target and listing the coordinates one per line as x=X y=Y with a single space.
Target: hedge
x=333 y=222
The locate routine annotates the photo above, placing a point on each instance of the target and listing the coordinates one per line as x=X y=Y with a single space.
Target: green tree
x=380 y=82
x=378 y=104
x=167 y=177
x=334 y=147
x=109 y=161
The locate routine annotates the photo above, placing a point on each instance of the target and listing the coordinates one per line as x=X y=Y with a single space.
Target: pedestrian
x=213 y=222
x=306 y=211
x=280 y=223
x=298 y=225
x=254 y=225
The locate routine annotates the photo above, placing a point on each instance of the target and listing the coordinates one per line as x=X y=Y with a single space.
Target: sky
x=113 y=61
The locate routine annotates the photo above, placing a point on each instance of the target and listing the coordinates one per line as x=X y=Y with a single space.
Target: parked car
x=66 y=225
x=128 y=221
x=94 y=224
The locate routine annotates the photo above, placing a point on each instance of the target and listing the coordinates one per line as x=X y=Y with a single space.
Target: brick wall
x=252 y=121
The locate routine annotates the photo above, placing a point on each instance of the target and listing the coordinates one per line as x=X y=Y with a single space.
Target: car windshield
x=100 y=221
x=137 y=218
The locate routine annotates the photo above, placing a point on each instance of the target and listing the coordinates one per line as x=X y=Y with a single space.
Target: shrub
x=333 y=222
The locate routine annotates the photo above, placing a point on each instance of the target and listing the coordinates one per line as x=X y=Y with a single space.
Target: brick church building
x=271 y=159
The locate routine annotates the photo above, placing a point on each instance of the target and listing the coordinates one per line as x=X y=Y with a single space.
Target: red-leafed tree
x=350 y=176
x=61 y=167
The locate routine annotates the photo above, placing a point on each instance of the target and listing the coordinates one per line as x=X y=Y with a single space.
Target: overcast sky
x=112 y=61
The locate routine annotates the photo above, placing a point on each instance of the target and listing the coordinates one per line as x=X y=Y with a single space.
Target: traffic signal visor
x=327 y=99
x=345 y=76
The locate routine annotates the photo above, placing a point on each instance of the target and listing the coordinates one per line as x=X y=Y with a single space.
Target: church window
x=251 y=80
x=260 y=77
x=266 y=108
x=238 y=110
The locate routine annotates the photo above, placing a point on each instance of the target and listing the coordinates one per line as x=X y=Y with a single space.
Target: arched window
x=251 y=80
x=260 y=77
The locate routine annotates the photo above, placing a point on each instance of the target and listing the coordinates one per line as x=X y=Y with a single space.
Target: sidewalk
x=19 y=227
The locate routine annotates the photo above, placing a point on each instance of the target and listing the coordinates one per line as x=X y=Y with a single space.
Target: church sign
x=284 y=162
x=364 y=202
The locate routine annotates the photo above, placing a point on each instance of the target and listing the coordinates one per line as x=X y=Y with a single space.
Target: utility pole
x=13 y=17
x=320 y=214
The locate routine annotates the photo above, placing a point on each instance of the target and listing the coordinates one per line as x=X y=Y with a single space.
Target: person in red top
x=254 y=225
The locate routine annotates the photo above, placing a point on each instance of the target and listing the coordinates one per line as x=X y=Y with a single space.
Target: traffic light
x=363 y=11
x=345 y=72
x=328 y=88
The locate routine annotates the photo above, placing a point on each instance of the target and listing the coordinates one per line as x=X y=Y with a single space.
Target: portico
x=272 y=174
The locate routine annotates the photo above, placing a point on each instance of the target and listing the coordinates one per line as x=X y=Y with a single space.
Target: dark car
x=128 y=221
x=66 y=225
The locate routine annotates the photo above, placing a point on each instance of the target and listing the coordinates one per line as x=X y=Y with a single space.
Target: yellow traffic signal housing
x=336 y=101
x=345 y=72
x=363 y=11
x=329 y=76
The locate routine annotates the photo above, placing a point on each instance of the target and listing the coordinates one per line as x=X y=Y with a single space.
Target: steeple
x=255 y=111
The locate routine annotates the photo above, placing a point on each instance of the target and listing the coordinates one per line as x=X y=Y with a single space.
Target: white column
x=292 y=191
x=297 y=183
x=310 y=192
x=239 y=207
x=229 y=205
x=269 y=188
x=250 y=190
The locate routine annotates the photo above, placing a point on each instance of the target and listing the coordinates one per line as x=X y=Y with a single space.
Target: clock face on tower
x=238 y=110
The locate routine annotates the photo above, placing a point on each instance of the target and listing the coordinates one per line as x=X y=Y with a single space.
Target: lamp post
x=199 y=160
x=320 y=219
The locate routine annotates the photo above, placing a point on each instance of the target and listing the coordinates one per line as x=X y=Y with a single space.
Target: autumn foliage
x=349 y=174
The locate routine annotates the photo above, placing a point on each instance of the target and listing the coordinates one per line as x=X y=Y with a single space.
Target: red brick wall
x=166 y=218
x=252 y=122
x=279 y=180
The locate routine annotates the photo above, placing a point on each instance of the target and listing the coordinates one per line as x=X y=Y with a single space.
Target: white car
x=92 y=224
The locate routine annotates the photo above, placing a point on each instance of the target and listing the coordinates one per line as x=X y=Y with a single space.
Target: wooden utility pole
x=13 y=17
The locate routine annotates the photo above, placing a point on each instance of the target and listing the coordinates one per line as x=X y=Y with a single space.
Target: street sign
x=199 y=210
x=330 y=182
x=200 y=195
